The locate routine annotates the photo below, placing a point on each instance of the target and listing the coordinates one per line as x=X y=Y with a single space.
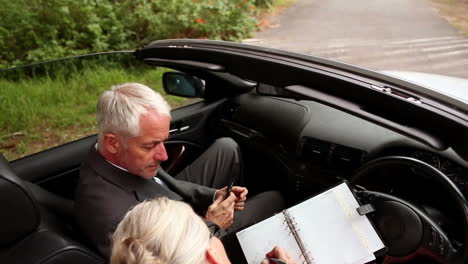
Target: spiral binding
x=294 y=232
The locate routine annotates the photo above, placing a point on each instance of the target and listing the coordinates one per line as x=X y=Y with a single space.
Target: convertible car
x=304 y=124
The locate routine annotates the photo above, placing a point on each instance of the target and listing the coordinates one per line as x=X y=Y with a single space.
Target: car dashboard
x=320 y=145
x=317 y=146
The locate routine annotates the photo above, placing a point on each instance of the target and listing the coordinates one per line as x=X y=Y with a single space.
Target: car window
x=48 y=104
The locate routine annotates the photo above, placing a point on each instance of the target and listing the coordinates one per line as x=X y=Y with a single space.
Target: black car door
x=191 y=132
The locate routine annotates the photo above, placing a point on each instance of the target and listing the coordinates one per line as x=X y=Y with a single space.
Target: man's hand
x=221 y=212
x=280 y=254
x=241 y=197
x=239 y=192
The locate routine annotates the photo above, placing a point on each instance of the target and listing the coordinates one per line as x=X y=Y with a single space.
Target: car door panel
x=55 y=169
x=190 y=134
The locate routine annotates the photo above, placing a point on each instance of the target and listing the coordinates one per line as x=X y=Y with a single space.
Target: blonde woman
x=166 y=231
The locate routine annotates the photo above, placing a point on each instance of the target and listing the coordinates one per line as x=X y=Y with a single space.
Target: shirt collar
x=117 y=166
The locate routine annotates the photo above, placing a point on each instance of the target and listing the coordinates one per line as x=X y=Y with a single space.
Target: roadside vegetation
x=45 y=106
x=36 y=30
x=455 y=12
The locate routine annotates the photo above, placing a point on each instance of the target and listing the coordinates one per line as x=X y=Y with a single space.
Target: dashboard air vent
x=315 y=149
x=346 y=156
x=331 y=154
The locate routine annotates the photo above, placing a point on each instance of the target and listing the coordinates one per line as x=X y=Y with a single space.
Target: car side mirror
x=182 y=84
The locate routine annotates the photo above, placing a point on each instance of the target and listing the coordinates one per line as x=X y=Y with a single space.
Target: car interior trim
x=354 y=109
x=185 y=63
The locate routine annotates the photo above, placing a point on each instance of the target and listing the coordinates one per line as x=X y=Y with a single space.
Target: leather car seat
x=31 y=232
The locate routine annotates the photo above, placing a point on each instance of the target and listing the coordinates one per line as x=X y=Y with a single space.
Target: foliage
x=264 y=3
x=36 y=30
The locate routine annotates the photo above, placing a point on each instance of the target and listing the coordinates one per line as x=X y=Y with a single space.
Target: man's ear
x=111 y=143
x=210 y=256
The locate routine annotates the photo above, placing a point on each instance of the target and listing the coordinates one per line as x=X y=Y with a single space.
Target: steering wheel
x=407 y=230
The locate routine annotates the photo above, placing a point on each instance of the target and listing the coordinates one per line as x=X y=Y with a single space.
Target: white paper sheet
x=329 y=226
x=262 y=237
x=333 y=231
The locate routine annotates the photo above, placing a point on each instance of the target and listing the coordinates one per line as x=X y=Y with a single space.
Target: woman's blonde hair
x=160 y=231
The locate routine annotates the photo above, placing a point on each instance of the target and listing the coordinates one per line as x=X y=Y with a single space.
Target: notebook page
x=371 y=238
x=259 y=239
x=333 y=231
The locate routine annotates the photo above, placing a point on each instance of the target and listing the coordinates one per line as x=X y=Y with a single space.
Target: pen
x=277 y=261
x=229 y=189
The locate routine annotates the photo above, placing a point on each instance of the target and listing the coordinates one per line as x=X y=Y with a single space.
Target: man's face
x=143 y=154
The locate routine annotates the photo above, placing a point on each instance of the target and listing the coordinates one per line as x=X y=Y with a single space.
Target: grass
x=455 y=12
x=39 y=113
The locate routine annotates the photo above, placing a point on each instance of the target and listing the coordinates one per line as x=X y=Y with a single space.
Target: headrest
x=20 y=214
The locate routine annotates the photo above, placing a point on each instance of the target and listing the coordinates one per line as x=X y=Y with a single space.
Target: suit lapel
x=151 y=190
x=166 y=178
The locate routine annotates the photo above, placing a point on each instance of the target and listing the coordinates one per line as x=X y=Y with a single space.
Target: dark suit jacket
x=105 y=193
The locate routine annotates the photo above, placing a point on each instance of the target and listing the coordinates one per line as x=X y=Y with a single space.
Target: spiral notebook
x=325 y=229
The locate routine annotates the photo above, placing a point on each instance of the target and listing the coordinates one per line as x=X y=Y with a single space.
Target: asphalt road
x=405 y=35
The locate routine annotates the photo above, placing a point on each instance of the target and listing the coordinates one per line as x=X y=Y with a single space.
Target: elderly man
x=122 y=170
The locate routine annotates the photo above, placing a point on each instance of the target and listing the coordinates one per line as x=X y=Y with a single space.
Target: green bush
x=264 y=3
x=37 y=30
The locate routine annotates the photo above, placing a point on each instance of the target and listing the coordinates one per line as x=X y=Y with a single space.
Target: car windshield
x=456 y=88
x=420 y=41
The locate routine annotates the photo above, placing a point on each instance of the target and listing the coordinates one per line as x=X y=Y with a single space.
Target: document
x=325 y=229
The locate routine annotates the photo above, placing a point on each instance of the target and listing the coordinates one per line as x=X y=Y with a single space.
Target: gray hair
x=160 y=231
x=120 y=108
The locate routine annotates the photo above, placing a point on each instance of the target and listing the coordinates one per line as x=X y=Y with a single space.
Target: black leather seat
x=31 y=232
